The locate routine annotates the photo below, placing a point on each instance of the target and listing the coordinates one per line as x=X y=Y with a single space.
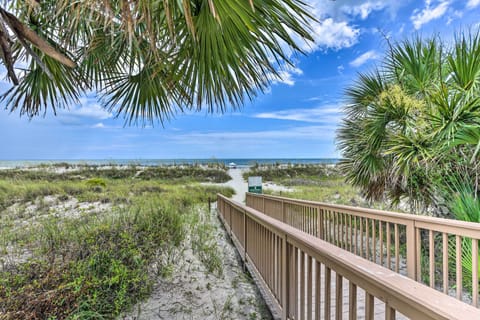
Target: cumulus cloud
x=93 y=111
x=349 y=9
x=364 y=58
x=333 y=34
x=365 y=9
x=336 y=29
x=473 y=3
x=287 y=76
x=429 y=13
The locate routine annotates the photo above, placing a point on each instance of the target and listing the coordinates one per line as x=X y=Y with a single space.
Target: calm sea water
x=160 y=162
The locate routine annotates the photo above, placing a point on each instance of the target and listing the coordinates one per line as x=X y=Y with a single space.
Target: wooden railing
x=308 y=278
x=441 y=253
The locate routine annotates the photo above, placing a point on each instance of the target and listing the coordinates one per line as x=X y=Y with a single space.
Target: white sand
x=241 y=186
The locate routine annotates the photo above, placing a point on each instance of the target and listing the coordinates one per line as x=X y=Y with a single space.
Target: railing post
x=285 y=278
x=283 y=212
x=411 y=247
x=263 y=204
x=321 y=218
x=245 y=240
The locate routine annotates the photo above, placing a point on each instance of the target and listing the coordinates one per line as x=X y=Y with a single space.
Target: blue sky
x=296 y=118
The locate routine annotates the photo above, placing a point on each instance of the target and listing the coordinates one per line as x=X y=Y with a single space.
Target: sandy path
x=238 y=184
x=241 y=186
x=193 y=293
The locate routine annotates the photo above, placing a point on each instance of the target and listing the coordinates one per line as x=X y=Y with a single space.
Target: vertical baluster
x=328 y=290
x=271 y=264
x=361 y=237
x=352 y=301
x=310 y=231
x=279 y=270
x=350 y=232
x=374 y=241
x=389 y=312
x=291 y=289
x=397 y=248
x=296 y=284
x=475 y=272
x=389 y=239
x=369 y=306
x=302 y=211
x=418 y=250
x=445 y=262
x=318 y=290
x=309 y=288
x=326 y=229
x=458 y=249
x=338 y=297
x=302 y=285
x=335 y=225
x=330 y=226
x=367 y=238
x=380 y=236
x=356 y=234
x=345 y=231
x=431 y=253
x=339 y=229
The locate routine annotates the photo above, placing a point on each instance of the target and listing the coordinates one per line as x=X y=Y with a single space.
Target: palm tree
x=412 y=125
x=146 y=59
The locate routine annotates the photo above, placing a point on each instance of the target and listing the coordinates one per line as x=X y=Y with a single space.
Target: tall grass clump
x=294 y=174
x=97 y=266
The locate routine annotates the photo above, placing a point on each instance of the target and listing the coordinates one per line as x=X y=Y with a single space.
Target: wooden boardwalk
x=304 y=277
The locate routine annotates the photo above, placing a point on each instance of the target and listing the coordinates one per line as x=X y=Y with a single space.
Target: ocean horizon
x=241 y=162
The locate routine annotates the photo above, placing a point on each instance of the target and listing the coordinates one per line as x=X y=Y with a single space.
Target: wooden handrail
x=290 y=263
x=380 y=235
x=470 y=227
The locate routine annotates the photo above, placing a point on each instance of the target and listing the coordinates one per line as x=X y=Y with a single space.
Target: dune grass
x=316 y=182
x=94 y=264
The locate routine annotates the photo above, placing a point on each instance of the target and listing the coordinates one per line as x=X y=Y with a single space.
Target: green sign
x=255 y=189
x=255 y=184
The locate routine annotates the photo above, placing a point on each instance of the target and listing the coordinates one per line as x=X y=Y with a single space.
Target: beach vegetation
x=70 y=252
x=293 y=174
x=411 y=132
x=411 y=125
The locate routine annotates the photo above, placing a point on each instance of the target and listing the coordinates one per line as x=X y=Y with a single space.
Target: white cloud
x=286 y=76
x=364 y=58
x=86 y=110
x=308 y=132
x=335 y=29
x=429 y=13
x=331 y=34
x=322 y=114
x=473 y=3
x=349 y=9
x=99 y=125
x=363 y=10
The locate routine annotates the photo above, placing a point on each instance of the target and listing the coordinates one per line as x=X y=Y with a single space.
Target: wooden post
x=285 y=278
x=245 y=241
x=263 y=203
x=411 y=247
x=321 y=218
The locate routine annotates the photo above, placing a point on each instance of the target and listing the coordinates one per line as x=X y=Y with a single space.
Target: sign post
x=255 y=184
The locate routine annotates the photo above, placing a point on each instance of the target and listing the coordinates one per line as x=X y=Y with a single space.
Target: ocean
x=163 y=162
